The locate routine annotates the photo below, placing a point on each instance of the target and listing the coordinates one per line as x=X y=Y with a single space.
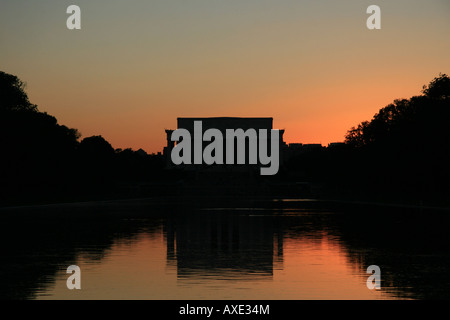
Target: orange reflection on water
x=313 y=267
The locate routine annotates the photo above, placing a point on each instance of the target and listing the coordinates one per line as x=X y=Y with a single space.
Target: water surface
x=292 y=249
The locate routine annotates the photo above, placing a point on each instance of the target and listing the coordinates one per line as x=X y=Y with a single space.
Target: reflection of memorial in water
x=410 y=246
x=224 y=245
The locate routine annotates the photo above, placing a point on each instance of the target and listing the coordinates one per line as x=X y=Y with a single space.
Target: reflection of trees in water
x=413 y=253
x=410 y=246
x=35 y=249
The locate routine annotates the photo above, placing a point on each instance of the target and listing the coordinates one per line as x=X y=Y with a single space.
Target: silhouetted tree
x=96 y=162
x=438 y=88
x=12 y=93
x=42 y=159
x=405 y=119
x=406 y=145
x=37 y=152
x=96 y=148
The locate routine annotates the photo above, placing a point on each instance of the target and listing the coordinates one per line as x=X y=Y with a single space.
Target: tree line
x=42 y=159
x=403 y=151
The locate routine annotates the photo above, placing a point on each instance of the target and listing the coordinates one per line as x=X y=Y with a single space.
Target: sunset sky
x=137 y=65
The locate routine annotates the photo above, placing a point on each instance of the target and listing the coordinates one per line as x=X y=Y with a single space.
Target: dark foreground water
x=284 y=249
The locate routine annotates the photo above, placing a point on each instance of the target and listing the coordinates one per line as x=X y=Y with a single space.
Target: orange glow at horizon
x=134 y=68
x=318 y=115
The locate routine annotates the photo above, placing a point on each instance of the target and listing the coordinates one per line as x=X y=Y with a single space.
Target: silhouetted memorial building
x=222 y=124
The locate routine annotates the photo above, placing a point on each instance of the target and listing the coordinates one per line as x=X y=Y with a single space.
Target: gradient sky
x=137 y=65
